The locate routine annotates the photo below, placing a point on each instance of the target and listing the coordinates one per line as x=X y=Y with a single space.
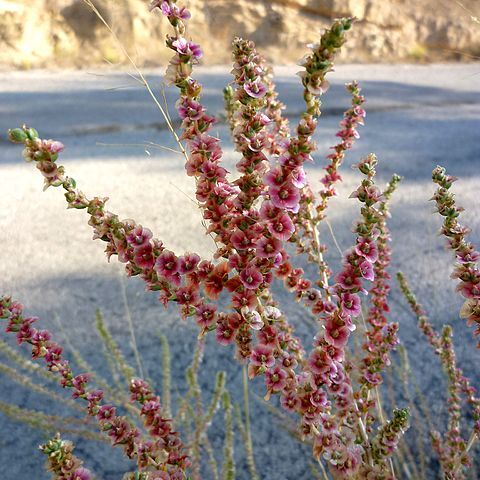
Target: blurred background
x=53 y=33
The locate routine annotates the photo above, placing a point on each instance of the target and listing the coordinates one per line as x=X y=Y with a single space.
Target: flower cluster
x=388 y=436
x=311 y=213
x=250 y=132
x=452 y=449
x=252 y=219
x=61 y=461
x=381 y=336
x=163 y=453
x=466 y=269
x=327 y=360
x=251 y=249
x=348 y=133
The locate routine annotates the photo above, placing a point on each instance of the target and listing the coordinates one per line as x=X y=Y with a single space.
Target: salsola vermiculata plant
x=256 y=220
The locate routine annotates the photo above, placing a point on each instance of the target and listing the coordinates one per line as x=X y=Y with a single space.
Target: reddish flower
x=290 y=401
x=167 y=264
x=286 y=197
x=262 y=356
x=281 y=227
x=275 y=379
x=336 y=334
x=216 y=280
x=188 y=263
x=268 y=247
x=366 y=269
x=247 y=298
x=188 y=295
x=241 y=240
x=319 y=361
x=225 y=334
x=206 y=315
x=251 y=277
x=144 y=257
x=139 y=237
x=350 y=304
x=268 y=336
x=348 y=280
x=367 y=248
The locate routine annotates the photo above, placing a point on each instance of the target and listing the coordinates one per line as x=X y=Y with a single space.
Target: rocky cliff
x=50 y=33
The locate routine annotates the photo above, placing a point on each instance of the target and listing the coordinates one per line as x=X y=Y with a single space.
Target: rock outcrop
x=49 y=33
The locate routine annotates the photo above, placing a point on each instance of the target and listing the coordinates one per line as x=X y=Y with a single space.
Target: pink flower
x=350 y=304
x=262 y=356
x=319 y=398
x=469 y=289
x=281 y=227
x=336 y=334
x=253 y=318
x=251 y=277
x=299 y=179
x=286 y=197
x=268 y=247
x=255 y=89
x=319 y=361
x=171 y=10
x=366 y=248
x=241 y=240
x=54 y=146
x=186 y=48
x=190 y=109
x=316 y=87
x=275 y=379
x=80 y=474
x=275 y=177
x=167 y=264
x=347 y=279
x=139 y=237
x=188 y=263
x=366 y=270
x=268 y=211
x=468 y=255
x=144 y=257
x=206 y=315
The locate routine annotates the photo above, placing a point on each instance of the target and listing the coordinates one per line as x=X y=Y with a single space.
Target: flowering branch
x=452 y=450
x=381 y=335
x=61 y=461
x=310 y=215
x=164 y=452
x=466 y=268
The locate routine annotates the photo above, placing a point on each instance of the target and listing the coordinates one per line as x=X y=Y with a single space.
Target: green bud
x=17 y=135
x=32 y=133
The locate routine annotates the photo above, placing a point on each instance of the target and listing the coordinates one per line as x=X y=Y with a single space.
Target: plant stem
x=248 y=443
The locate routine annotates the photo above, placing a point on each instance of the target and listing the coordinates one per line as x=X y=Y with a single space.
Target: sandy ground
x=417 y=117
